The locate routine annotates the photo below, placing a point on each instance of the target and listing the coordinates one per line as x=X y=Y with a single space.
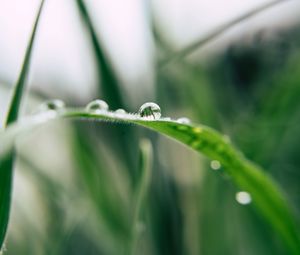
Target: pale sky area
x=62 y=55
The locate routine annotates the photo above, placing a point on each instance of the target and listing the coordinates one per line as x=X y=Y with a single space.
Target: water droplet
x=215 y=165
x=52 y=105
x=97 y=105
x=150 y=110
x=120 y=111
x=243 y=197
x=184 y=120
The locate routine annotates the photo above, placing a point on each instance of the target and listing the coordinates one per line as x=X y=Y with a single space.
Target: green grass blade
x=267 y=197
x=18 y=92
x=6 y=164
x=5 y=194
x=142 y=190
x=109 y=83
x=110 y=87
x=218 y=32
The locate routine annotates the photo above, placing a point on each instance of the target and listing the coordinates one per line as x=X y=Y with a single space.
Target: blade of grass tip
x=267 y=197
x=18 y=92
x=6 y=165
x=142 y=190
x=218 y=32
x=109 y=83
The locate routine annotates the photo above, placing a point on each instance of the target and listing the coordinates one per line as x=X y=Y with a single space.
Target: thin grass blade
x=6 y=164
x=109 y=83
x=110 y=88
x=218 y=32
x=142 y=190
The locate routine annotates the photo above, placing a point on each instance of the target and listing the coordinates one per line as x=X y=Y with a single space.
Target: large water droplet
x=150 y=110
x=184 y=120
x=215 y=165
x=243 y=197
x=97 y=105
x=52 y=105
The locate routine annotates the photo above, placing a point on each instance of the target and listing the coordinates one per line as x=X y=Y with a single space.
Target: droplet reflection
x=243 y=197
x=215 y=165
x=97 y=105
x=150 y=110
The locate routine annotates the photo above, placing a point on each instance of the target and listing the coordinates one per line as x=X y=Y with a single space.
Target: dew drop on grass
x=52 y=105
x=97 y=105
x=150 y=110
x=215 y=165
x=120 y=111
x=184 y=120
x=243 y=197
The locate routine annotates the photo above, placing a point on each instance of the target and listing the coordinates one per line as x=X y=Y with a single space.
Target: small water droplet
x=150 y=110
x=97 y=105
x=215 y=165
x=120 y=111
x=243 y=197
x=184 y=120
x=52 y=105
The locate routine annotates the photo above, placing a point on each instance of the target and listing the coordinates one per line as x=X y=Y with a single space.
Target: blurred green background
x=76 y=183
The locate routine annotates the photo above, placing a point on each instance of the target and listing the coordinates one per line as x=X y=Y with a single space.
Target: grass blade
x=267 y=197
x=218 y=32
x=109 y=83
x=19 y=88
x=6 y=164
x=110 y=87
x=142 y=190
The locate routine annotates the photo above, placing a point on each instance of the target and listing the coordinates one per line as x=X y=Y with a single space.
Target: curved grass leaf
x=218 y=32
x=6 y=164
x=267 y=197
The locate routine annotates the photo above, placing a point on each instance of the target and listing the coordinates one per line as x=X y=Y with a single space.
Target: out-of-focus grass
x=245 y=93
